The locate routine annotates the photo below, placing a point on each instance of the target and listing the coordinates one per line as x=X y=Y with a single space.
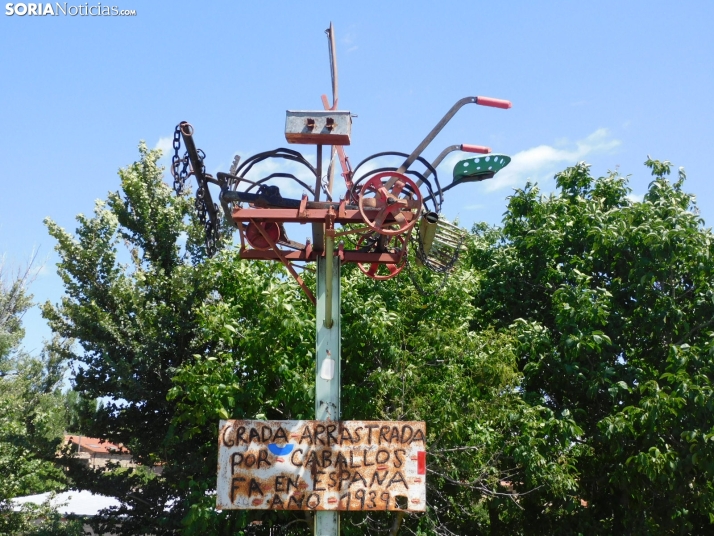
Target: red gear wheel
x=378 y=201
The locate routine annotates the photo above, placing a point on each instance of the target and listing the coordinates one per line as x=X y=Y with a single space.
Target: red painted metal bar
x=286 y=262
x=303 y=255
x=308 y=215
x=494 y=103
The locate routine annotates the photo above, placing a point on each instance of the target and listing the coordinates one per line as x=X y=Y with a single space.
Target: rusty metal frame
x=287 y=263
x=305 y=215
x=328 y=214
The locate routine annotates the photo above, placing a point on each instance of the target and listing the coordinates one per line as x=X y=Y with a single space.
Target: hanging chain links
x=211 y=226
x=181 y=171
x=179 y=165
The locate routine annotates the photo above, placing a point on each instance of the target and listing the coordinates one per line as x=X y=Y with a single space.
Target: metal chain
x=180 y=172
x=211 y=232
x=179 y=166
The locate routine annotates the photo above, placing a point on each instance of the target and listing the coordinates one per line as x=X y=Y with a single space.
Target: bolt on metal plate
x=319 y=127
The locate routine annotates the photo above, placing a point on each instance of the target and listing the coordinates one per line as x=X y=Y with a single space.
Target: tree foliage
x=14 y=302
x=133 y=287
x=32 y=416
x=612 y=300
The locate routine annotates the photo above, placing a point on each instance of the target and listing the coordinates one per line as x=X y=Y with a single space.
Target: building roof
x=95 y=446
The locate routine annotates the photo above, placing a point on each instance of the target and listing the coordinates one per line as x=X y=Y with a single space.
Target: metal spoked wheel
x=390 y=210
x=370 y=242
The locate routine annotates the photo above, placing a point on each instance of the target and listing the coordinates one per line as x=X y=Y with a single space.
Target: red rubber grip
x=496 y=103
x=475 y=148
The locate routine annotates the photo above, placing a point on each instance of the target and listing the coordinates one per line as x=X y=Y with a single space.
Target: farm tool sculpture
x=382 y=205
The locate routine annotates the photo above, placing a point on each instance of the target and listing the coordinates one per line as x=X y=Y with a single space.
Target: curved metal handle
x=484 y=101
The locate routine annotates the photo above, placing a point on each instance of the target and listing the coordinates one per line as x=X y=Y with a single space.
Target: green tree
x=135 y=323
x=612 y=301
x=14 y=303
x=81 y=412
x=29 y=427
x=31 y=414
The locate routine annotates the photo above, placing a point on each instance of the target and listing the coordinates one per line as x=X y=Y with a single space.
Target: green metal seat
x=479 y=168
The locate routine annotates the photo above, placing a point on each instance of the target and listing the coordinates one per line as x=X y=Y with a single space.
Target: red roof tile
x=94 y=445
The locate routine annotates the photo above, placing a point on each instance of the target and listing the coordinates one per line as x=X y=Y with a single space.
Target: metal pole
x=328 y=374
x=328 y=377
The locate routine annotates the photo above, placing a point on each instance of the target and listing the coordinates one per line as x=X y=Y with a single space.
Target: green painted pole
x=327 y=373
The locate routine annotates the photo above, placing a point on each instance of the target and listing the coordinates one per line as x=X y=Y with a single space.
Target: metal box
x=319 y=127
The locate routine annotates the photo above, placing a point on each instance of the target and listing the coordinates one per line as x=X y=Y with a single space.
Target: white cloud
x=349 y=38
x=288 y=187
x=636 y=198
x=349 y=41
x=40 y=271
x=540 y=163
x=165 y=143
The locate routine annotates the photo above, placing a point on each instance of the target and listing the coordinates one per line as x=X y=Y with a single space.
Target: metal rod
x=318 y=183
x=331 y=169
x=438 y=161
x=329 y=258
x=333 y=64
x=434 y=132
x=197 y=166
x=310 y=215
x=318 y=229
x=327 y=397
x=307 y=256
x=344 y=162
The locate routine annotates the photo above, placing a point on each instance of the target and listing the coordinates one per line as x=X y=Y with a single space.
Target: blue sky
x=605 y=82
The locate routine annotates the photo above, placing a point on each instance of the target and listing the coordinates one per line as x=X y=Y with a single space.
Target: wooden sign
x=322 y=465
